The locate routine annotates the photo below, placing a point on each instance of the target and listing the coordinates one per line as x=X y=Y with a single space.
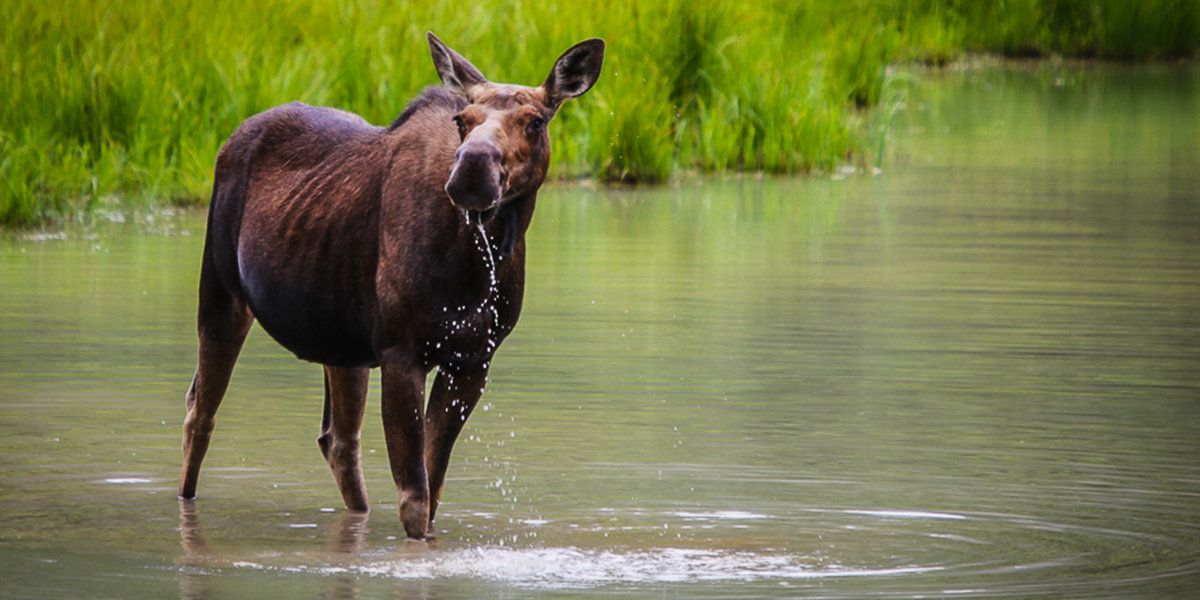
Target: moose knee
x=339 y=450
x=196 y=424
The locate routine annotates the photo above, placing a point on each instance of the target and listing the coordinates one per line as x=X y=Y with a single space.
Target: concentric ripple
x=834 y=553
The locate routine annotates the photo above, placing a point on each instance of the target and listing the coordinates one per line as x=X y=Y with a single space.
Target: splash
x=572 y=567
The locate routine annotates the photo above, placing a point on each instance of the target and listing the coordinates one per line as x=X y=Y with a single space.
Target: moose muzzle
x=478 y=177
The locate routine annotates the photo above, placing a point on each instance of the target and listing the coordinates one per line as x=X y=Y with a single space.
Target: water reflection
x=201 y=568
x=194 y=582
x=347 y=538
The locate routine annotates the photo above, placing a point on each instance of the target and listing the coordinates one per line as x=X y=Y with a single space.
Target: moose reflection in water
x=397 y=247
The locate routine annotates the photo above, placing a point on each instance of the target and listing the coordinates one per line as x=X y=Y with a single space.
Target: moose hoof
x=415 y=518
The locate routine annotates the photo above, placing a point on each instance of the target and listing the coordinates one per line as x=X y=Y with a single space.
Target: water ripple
x=832 y=552
x=578 y=567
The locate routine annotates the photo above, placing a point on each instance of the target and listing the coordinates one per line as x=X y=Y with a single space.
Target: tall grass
x=127 y=101
x=1109 y=29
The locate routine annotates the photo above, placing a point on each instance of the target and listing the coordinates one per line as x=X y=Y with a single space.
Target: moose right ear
x=457 y=73
x=575 y=72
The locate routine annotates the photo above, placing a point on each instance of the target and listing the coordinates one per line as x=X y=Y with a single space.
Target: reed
x=125 y=102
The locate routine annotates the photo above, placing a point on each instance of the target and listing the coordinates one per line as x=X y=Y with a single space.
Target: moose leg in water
x=403 y=413
x=345 y=400
x=455 y=394
x=222 y=324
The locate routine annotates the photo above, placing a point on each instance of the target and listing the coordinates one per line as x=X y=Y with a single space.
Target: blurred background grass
x=127 y=101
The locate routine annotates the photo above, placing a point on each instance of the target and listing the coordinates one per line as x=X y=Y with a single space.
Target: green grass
x=1108 y=29
x=126 y=102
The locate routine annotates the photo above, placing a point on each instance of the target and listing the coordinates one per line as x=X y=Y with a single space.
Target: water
x=975 y=374
x=489 y=303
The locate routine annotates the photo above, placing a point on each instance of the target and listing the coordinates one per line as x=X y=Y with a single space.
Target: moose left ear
x=457 y=73
x=575 y=72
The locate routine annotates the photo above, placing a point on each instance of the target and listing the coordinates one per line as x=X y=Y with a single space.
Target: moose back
x=397 y=247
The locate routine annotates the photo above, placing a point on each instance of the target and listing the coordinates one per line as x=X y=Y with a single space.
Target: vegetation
x=127 y=101
x=1108 y=29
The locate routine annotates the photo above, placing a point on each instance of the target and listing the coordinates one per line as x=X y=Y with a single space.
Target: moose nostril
x=478 y=178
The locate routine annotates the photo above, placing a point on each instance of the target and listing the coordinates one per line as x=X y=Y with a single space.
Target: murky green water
x=976 y=374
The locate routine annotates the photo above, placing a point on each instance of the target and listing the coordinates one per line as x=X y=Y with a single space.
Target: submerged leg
x=345 y=399
x=222 y=324
x=455 y=394
x=404 y=429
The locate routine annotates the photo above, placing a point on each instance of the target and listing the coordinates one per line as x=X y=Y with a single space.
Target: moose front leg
x=455 y=394
x=403 y=414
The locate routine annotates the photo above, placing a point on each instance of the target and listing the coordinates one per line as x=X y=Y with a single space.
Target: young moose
x=400 y=248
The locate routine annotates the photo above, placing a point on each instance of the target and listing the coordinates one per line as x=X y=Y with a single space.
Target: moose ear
x=457 y=73
x=575 y=72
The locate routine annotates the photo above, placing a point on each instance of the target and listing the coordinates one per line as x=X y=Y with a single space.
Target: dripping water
x=489 y=302
x=491 y=261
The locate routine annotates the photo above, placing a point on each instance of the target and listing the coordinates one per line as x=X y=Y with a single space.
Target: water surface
x=975 y=374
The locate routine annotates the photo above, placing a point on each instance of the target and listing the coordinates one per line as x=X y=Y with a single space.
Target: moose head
x=505 y=148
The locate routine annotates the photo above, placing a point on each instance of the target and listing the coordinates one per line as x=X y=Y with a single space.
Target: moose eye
x=535 y=125
x=462 y=127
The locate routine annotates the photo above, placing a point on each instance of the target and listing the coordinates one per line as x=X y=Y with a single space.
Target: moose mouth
x=476 y=218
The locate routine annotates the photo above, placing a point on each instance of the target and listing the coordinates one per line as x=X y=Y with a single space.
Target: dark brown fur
x=358 y=246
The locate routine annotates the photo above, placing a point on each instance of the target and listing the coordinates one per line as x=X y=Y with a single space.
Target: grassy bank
x=126 y=102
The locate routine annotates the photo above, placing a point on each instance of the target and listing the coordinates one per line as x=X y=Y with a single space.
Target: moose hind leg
x=345 y=399
x=223 y=324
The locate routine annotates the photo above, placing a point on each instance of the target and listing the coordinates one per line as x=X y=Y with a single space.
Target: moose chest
x=467 y=329
x=464 y=334
x=464 y=306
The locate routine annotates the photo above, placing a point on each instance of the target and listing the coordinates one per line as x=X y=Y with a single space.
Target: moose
x=399 y=247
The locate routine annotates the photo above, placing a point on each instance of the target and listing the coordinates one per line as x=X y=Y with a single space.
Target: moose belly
x=316 y=315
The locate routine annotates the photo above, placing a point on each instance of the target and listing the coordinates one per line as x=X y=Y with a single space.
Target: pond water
x=975 y=374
